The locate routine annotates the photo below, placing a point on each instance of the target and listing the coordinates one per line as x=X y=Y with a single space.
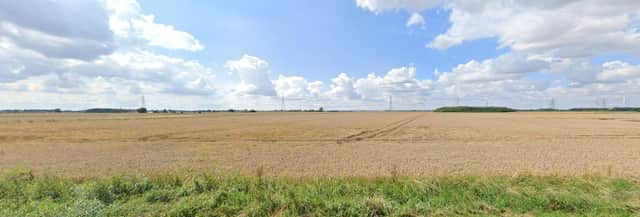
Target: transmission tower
x=390 y=102
x=282 y=105
x=142 y=103
x=552 y=103
x=604 y=103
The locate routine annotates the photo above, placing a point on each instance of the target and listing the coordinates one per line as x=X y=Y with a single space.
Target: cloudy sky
x=339 y=54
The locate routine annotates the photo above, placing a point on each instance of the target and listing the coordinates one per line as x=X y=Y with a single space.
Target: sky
x=336 y=54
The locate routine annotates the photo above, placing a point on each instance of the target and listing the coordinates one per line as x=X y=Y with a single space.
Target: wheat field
x=330 y=144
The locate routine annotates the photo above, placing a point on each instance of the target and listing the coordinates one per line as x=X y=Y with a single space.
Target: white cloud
x=342 y=87
x=506 y=67
x=47 y=51
x=370 y=87
x=415 y=20
x=579 y=28
x=554 y=40
x=442 y=42
x=254 y=75
x=619 y=71
x=315 y=88
x=410 y=5
x=39 y=26
x=123 y=71
x=68 y=48
x=127 y=21
x=297 y=87
x=398 y=81
x=579 y=71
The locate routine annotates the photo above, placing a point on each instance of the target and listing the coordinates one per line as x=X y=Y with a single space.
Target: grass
x=22 y=194
x=473 y=109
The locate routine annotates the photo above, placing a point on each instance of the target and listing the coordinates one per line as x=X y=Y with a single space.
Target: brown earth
x=324 y=144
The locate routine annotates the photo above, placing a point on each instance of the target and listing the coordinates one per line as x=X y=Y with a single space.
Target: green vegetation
x=107 y=110
x=473 y=109
x=141 y=110
x=589 y=109
x=626 y=109
x=615 y=109
x=22 y=194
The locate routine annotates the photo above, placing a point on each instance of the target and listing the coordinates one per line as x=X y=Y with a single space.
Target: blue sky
x=317 y=39
x=250 y=54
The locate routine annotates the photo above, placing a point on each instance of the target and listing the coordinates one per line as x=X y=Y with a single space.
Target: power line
x=602 y=102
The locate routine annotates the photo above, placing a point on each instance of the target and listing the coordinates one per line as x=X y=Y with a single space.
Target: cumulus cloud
x=619 y=71
x=398 y=81
x=132 y=69
x=59 y=47
x=410 y=5
x=506 y=67
x=40 y=26
x=342 y=87
x=102 y=48
x=415 y=20
x=578 y=28
x=555 y=39
x=254 y=75
x=298 y=87
x=579 y=71
x=128 y=22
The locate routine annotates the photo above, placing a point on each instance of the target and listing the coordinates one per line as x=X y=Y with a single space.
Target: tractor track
x=380 y=132
x=372 y=134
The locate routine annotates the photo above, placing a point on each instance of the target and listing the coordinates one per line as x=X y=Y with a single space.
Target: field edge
x=202 y=194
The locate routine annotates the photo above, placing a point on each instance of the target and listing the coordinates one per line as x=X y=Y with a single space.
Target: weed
x=22 y=194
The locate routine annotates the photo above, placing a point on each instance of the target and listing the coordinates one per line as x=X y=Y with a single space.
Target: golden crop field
x=324 y=144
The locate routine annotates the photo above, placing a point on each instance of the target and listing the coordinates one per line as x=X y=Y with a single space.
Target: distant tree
x=474 y=109
x=141 y=110
x=321 y=109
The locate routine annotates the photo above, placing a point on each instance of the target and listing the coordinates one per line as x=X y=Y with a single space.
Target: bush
x=141 y=110
x=588 y=109
x=626 y=109
x=106 y=110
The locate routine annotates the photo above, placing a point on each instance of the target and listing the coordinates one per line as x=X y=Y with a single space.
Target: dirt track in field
x=324 y=144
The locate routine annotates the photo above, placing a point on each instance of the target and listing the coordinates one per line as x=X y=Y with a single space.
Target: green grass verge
x=474 y=109
x=22 y=194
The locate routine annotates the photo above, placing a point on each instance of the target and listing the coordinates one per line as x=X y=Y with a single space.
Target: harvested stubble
x=364 y=144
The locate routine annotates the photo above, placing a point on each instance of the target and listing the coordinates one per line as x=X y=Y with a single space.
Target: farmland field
x=362 y=144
